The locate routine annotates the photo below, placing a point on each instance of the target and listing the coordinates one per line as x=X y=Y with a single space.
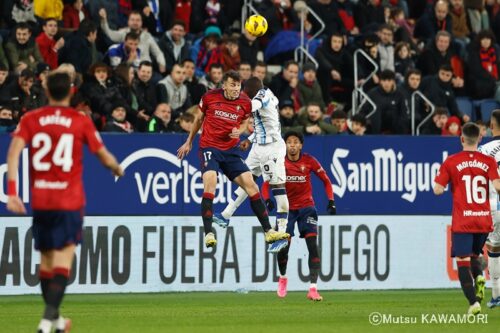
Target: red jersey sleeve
x=92 y=137
x=443 y=176
x=247 y=106
x=493 y=170
x=203 y=104
x=321 y=173
x=23 y=130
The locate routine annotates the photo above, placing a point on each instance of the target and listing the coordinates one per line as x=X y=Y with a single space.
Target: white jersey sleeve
x=267 y=127
x=492 y=149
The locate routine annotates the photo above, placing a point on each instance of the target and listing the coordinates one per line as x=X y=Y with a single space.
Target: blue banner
x=379 y=175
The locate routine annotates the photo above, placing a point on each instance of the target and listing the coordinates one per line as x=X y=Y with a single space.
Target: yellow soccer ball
x=256 y=25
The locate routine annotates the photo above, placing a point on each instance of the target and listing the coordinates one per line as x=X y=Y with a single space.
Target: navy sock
x=259 y=209
x=207 y=211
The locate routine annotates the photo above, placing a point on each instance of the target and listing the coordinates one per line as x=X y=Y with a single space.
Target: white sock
x=241 y=195
x=283 y=276
x=313 y=285
x=59 y=323
x=494 y=269
x=282 y=211
x=45 y=326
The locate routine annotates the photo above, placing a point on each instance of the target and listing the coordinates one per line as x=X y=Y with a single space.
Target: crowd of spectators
x=143 y=65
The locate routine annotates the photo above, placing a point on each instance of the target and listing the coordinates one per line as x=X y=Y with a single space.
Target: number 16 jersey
x=469 y=173
x=56 y=136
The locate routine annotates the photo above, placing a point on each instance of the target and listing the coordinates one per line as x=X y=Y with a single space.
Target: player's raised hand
x=235 y=134
x=15 y=205
x=245 y=144
x=332 y=210
x=184 y=150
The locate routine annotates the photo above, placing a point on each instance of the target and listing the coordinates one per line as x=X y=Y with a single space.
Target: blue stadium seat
x=487 y=107
x=465 y=106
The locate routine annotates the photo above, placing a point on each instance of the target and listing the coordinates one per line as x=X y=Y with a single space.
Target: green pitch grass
x=341 y=311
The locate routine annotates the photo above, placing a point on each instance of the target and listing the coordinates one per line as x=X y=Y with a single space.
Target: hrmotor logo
x=387 y=171
x=181 y=183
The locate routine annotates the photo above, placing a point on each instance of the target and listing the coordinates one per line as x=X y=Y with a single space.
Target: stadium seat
x=466 y=107
x=486 y=108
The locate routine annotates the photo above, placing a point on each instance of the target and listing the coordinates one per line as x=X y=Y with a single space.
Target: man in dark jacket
x=24 y=96
x=284 y=84
x=145 y=88
x=21 y=51
x=5 y=85
x=433 y=21
x=173 y=45
x=288 y=118
x=335 y=73
x=249 y=47
x=80 y=49
x=437 y=53
x=391 y=113
x=195 y=88
x=439 y=90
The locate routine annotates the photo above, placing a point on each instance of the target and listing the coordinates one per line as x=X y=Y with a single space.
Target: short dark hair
x=215 y=65
x=387 y=75
x=135 y=12
x=441 y=111
x=252 y=86
x=48 y=19
x=359 y=118
x=384 y=26
x=446 y=68
x=260 y=64
x=132 y=35
x=496 y=115
x=338 y=114
x=290 y=63
x=146 y=63
x=58 y=85
x=178 y=22
x=296 y=134
x=87 y=27
x=3 y=67
x=471 y=132
x=23 y=26
x=245 y=63
x=187 y=60
x=233 y=75
x=412 y=71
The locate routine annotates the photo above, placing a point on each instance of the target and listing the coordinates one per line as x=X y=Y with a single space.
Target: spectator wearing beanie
x=288 y=118
x=117 y=122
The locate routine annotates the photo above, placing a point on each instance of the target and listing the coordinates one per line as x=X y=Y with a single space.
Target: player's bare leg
x=209 y=184
x=282 y=265
x=314 y=267
x=494 y=269
x=467 y=284
x=55 y=263
x=245 y=181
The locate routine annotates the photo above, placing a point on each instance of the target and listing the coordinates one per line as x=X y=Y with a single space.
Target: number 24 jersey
x=56 y=136
x=469 y=173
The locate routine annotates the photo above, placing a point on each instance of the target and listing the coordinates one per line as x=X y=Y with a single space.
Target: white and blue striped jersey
x=265 y=110
x=492 y=149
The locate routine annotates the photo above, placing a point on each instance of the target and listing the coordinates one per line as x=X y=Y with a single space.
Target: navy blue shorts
x=54 y=229
x=307 y=221
x=229 y=161
x=467 y=244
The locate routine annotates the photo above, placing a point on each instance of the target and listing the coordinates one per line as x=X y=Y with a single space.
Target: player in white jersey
x=492 y=148
x=266 y=158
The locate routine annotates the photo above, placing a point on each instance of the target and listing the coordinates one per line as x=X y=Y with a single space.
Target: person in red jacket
x=47 y=44
x=73 y=14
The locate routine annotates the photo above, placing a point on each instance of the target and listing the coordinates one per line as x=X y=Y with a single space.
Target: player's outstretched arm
x=188 y=145
x=109 y=161
x=439 y=189
x=14 y=202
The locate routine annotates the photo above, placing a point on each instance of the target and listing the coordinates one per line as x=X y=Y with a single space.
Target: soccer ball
x=256 y=25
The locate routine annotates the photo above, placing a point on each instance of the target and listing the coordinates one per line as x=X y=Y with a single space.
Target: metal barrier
x=358 y=91
x=245 y=10
x=301 y=53
x=416 y=131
